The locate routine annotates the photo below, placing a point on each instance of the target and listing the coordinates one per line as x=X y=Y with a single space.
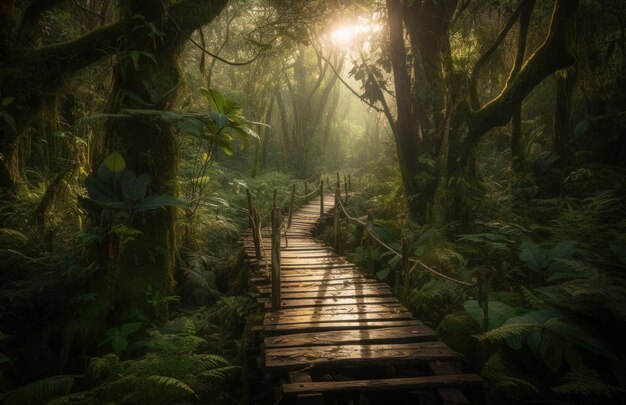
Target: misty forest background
x=490 y=134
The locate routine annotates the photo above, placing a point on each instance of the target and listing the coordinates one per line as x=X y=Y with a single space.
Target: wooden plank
x=313 y=302
x=337 y=310
x=323 y=277
x=417 y=333
x=309 y=398
x=387 y=384
x=449 y=396
x=312 y=287
x=355 y=355
x=364 y=292
x=348 y=325
x=306 y=270
x=316 y=318
x=332 y=289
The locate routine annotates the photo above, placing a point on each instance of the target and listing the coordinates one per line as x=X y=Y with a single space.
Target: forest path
x=338 y=331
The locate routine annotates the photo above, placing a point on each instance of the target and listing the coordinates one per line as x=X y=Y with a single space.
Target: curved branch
x=554 y=54
x=484 y=58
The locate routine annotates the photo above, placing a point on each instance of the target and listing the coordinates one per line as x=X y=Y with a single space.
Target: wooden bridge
x=330 y=331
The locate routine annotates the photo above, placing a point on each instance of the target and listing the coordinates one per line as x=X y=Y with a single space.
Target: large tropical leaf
x=156 y=201
x=533 y=256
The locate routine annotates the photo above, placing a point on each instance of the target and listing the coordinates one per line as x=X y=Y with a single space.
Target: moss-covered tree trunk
x=440 y=120
x=138 y=276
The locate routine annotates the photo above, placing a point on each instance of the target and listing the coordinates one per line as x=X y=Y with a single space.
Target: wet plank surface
x=388 y=384
x=334 y=317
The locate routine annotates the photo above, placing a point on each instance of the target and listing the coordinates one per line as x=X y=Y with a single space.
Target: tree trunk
x=138 y=276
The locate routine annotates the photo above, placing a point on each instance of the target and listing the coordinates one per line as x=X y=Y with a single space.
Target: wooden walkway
x=335 y=321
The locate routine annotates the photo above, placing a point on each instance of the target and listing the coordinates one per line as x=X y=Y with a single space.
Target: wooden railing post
x=321 y=198
x=276 y=221
x=337 y=218
x=256 y=233
x=345 y=186
x=369 y=244
x=274 y=199
x=403 y=270
x=293 y=196
x=250 y=216
x=349 y=183
x=338 y=181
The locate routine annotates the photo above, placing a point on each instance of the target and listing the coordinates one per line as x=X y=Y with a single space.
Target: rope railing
x=416 y=262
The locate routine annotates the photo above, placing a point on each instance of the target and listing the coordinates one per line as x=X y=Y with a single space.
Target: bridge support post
x=403 y=269
x=345 y=186
x=256 y=233
x=276 y=222
x=250 y=216
x=369 y=244
x=337 y=218
x=321 y=198
x=293 y=196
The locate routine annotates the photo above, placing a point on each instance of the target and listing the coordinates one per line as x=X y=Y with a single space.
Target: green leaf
x=551 y=350
x=581 y=128
x=383 y=274
x=115 y=162
x=563 y=250
x=220 y=120
x=119 y=343
x=130 y=328
x=498 y=312
x=171 y=382
x=134 y=187
x=99 y=190
x=7 y=101
x=215 y=98
x=582 y=335
x=533 y=256
x=156 y=201
x=228 y=150
x=134 y=56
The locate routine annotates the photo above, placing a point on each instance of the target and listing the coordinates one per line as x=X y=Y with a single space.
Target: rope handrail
x=310 y=194
x=392 y=250
x=354 y=219
x=421 y=263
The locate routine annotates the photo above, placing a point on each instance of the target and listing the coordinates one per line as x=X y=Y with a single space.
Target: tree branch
x=554 y=54
x=484 y=58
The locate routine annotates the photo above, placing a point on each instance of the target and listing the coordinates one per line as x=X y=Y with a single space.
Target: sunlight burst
x=347 y=34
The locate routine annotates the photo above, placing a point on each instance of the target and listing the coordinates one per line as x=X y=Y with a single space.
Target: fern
x=506 y=380
x=172 y=382
x=40 y=391
x=588 y=383
x=171 y=369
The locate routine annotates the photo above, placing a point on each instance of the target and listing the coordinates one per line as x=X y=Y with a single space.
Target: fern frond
x=530 y=297
x=74 y=398
x=171 y=382
x=219 y=373
x=586 y=382
x=101 y=366
x=39 y=391
x=508 y=331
